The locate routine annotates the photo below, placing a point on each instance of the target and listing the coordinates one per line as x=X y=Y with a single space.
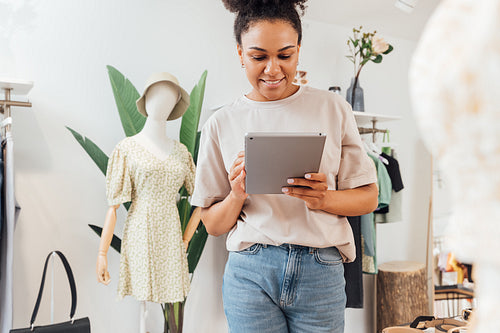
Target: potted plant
x=364 y=47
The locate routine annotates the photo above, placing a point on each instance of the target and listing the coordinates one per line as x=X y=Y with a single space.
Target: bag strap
x=420 y=319
x=72 y=285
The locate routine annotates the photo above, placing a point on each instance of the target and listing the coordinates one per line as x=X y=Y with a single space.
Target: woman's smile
x=272 y=83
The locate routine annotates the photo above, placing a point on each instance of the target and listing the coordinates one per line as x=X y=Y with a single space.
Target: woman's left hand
x=312 y=190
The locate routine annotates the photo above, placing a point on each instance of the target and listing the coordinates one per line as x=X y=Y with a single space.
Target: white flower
x=379 y=45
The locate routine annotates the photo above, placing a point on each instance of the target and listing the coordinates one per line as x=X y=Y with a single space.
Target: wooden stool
x=401 y=293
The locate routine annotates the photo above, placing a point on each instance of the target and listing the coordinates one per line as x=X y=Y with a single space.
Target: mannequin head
x=182 y=101
x=161 y=98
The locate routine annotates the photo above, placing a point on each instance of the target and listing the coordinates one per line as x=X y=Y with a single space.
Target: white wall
x=64 y=46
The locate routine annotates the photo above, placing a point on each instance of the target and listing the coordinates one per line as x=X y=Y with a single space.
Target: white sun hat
x=181 y=105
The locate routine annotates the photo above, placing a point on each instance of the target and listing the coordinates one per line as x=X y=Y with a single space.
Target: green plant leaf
x=172 y=324
x=116 y=242
x=191 y=119
x=388 y=50
x=95 y=153
x=125 y=97
x=196 y=246
x=184 y=208
x=378 y=59
x=197 y=147
x=176 y=312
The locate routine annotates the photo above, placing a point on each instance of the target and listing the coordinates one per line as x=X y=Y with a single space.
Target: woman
x=284 y=272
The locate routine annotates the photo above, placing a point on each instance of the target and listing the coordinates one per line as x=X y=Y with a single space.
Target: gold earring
x=242 y=65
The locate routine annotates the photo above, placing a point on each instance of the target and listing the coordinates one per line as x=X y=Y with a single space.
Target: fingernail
x=284 y=189
x=307 y=176
x=290 y=181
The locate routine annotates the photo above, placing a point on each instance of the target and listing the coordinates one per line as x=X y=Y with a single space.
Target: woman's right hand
x=102 y=269
x=221 y=216
x=237 y=176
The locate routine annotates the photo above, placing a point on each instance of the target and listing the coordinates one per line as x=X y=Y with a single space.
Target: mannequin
x=164 y=256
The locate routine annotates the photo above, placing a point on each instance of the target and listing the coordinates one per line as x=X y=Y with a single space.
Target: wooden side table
x=401 y=293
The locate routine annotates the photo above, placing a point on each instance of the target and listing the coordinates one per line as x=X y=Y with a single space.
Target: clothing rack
x=21 y=88
x=373 y=130
x=10 y=209
x=364 y=120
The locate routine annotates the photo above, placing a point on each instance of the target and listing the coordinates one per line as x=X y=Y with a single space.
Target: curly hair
x=251 y=11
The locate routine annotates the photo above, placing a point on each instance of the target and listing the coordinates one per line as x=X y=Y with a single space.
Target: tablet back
x=272 y=158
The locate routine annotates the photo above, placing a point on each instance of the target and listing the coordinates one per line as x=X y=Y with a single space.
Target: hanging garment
x=369 y=263
x=368 y=232
x=11 y=213
x=394 y=172
x=368 y=240
x=367 y=221
x=394 y=213
x=383 y=181
x=353 y=273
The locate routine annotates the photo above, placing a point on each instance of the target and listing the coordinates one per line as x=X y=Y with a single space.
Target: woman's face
x=270 y=53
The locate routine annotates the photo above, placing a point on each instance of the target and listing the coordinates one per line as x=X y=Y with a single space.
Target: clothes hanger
x=387 y=146
x=371 y=147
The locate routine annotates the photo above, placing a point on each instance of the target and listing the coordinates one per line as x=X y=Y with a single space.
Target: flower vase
x=357 y=99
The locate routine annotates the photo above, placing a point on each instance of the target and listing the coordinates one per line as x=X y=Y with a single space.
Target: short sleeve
x=190 y=175
x=118 y=179
x=211 y=184
x=356 y=169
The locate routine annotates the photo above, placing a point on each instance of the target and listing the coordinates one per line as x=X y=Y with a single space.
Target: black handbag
x=72 y=326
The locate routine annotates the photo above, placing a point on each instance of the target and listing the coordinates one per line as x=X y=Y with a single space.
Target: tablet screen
x=272 y=158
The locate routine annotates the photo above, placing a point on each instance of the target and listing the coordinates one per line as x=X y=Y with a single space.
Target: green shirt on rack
x=367 y=221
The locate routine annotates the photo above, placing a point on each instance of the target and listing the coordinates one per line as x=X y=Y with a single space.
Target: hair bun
x=236 y=6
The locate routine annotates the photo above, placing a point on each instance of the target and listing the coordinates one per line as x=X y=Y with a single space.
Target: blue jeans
x=287 y=288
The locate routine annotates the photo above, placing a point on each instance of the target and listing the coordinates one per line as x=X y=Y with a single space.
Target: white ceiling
x=380 y=15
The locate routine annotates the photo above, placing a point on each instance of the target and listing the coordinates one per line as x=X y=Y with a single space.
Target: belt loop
x=311 y=250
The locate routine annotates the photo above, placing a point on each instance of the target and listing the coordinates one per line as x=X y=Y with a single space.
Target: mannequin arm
x=193 y=223
x=106 y=237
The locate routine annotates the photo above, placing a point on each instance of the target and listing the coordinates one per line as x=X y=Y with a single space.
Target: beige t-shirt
x=277 y=218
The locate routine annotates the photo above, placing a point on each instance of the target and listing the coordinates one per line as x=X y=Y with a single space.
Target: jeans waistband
x=288 y=246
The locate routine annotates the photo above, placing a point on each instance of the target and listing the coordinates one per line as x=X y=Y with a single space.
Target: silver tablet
x=272 y=158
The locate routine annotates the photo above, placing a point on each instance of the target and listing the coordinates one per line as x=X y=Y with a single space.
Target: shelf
x=19 y=87
x=364 y=118
x=457 y=291
x=13 y=87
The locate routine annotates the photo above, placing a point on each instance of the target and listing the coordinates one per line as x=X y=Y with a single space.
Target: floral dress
x=153 y=263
